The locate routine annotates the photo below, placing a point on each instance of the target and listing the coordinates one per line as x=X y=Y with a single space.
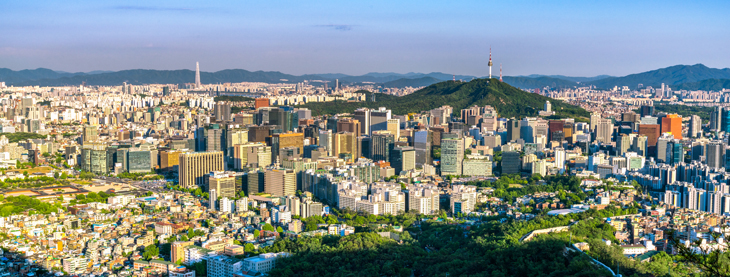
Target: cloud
x=150 y=8
x=338 y=27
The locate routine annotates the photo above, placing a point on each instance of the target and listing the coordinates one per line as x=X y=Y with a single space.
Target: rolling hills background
x=690 y=77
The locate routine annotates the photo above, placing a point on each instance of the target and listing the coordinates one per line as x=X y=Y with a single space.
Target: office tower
x=675 y=152
x=281 y=141
x=363 y=116
x=513 y=130
x=326 y=140
x=222 y=112
x=555 y=129
x=379 y=119
x=394 y=127
x=568 y=130
x=345 y=146
x=652 y=133
x=169 y=160
x=212 y=199
x=548 y=106
x=604 y=130
x=662 y=148
x=640 y=145
x=94 y=158
x=511 y=162
x=261 y=103
x=422 y=145
x=303 y=113
x=672 y=124
x=382 y=143
x=234 y=137
x=403 y=159
x=714 y=157
x=695 y=126
x=647 y=111
x=214 y=140
x=595 y=118
x=194 y=167
x=197 y=75
x=716 y=119
x=280 y=182
x=223 y=183
x=256 y=182
x=91 y=133
x=349 y=125
x=139 y=159
x=560 y=156
x=623 y=144
x=452 y=156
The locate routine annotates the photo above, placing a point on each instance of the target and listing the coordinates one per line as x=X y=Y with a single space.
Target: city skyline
x=566 y=37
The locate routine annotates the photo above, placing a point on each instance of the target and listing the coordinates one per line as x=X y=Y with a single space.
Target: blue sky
x=578 y=38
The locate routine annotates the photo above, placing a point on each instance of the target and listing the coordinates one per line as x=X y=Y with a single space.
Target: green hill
x=710 y=85
x=507 y=100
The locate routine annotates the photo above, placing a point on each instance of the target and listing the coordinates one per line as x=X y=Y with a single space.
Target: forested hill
x=508 y=100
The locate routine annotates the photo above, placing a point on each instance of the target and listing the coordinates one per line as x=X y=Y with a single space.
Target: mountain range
x=696 y=77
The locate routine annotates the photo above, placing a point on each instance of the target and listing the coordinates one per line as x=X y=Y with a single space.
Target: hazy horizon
x=572 y=38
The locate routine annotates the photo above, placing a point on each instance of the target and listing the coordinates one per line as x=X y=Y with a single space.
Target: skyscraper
x=452 y=155
x=197 y=75
x=195 y=166
x=672 y=123
x=695 y=126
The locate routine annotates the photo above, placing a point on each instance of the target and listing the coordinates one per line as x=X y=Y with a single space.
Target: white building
x=223 y=266
x=263 y=262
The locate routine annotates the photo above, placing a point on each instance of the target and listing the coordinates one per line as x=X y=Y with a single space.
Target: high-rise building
x=261 y=103
x=223 y=183
x=91 y=133
x=403 y=159
x=177 y=251
x=280 y=182
x=349 y=125
x=511 y=162
x=379 y=119
x=714 y=157
x=647 y=111
x=604 y=130
x=345 y=146
x=197 y=75
x=394 y=127
x=195 y=166
x=422 y=141
x=326 y=140
x=672 y=124
x=555 y=130
x=382 y=143
x=212 y=199
x=222 y=112
x=452 y=156
x=214 y=139
x=695 y=126
x=281 y=141
x=363 y=116
x=513 y=130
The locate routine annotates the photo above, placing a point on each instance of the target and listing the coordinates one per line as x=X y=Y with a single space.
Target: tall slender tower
x=500 y=72
x=197 y=75
x=490 y=62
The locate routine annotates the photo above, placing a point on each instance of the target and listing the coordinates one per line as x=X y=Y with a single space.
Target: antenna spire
x=500 y=72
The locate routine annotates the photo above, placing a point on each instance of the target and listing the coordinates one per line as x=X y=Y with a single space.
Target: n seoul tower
x=490 y=62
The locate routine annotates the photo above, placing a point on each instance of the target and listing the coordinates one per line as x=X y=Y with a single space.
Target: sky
x=574 y=38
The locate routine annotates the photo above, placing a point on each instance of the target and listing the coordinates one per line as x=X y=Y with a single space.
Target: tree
x=256 y=233
x=279 y=229
x=151 y=252
x=248 y=248
x=268 y=227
